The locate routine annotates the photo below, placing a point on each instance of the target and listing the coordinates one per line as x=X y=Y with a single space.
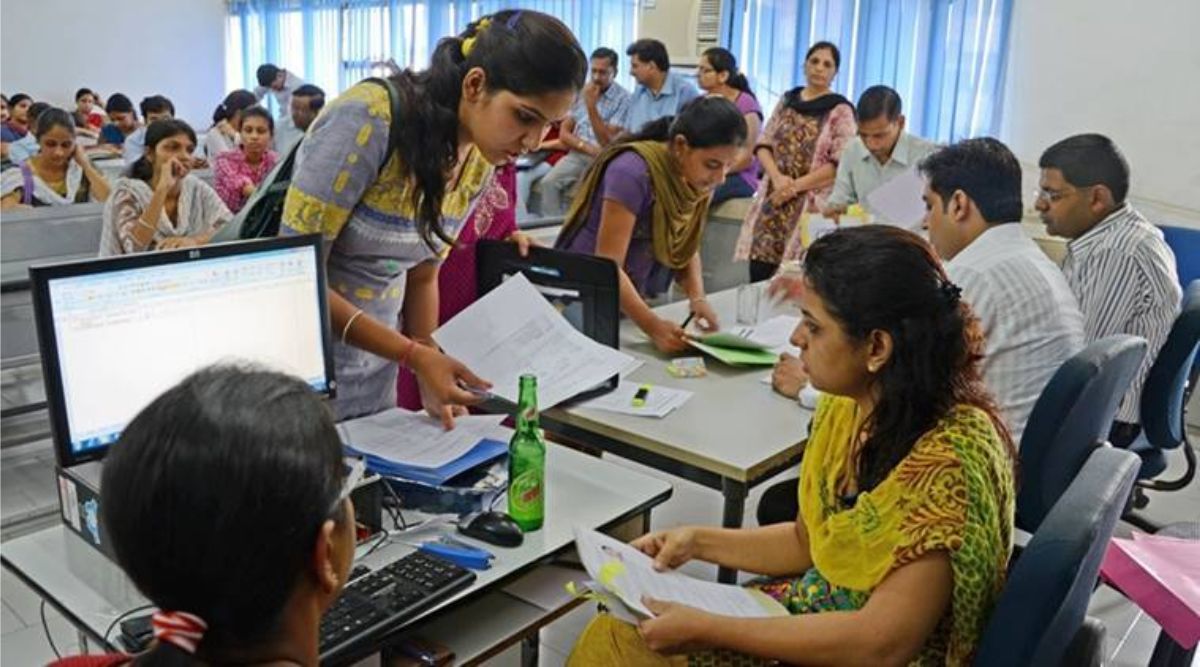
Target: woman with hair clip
x=799 y=149
x=159 y=205
x=643 y=203
x=906 y=487
x=239 y=571
x=718 y=74
x=388 y=217
x=227 y=123
x=60 y=174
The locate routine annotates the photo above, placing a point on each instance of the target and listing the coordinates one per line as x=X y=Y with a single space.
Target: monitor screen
x=116 y=333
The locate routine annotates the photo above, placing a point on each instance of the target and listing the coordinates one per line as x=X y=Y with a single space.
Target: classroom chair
x=1165 y=396
x=1072 y=417
x=1040 y=616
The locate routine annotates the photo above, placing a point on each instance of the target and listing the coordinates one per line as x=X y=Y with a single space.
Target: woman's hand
x=787 y=192
x=706 y=317
x=80 y=155
x=667 y=336
x=675 y=628
x=524 y=242
x=177 y=242
x=441 y=379
x=786 y=286
x=248 y=188
x=669 y=548
x=788 y=378
x=169 y=173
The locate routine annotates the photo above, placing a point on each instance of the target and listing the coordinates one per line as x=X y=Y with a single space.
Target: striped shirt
x=1123 y=274
x=611 y=106
x=1030 y=319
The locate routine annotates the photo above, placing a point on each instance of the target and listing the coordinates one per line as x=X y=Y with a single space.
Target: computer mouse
x=494 y=528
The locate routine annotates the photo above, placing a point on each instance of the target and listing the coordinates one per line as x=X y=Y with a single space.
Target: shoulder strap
x=394 y=128
x=26 y=183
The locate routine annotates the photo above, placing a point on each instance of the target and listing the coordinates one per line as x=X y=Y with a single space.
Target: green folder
x=737 y=356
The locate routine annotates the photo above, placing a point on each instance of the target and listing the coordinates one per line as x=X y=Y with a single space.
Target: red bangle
x=403 y=360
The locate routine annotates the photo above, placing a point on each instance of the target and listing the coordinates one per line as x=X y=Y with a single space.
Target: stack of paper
x=411 y=445
x=758 y=345
x=657 y=402
x=898 y=201
x=625 y=575
x=513 y=330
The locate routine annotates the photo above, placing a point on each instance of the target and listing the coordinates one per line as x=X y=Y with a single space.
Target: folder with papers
x=411 y=445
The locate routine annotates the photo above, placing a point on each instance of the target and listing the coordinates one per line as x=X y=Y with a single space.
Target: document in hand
x=513 y=330
x=898 y=201
x=1162 y=575
x=625 y=575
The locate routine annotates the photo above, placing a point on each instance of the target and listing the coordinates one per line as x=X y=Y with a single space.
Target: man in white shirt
x=1118 y=265
x=881 y=151
x=1030 y=318
x=280 y=83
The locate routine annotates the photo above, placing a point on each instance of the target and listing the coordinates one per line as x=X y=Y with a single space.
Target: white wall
x=49 y=48
x=1129 y=70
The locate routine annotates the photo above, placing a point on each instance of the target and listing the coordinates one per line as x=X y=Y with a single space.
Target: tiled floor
x=27 y=485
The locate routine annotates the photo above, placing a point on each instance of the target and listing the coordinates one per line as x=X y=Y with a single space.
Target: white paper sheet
x=898 y=201
x=630 y=575
x=660 y=401
x=415 y=438
x=513 y=330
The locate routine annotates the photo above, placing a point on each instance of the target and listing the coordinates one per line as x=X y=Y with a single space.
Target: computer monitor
x=115 y=333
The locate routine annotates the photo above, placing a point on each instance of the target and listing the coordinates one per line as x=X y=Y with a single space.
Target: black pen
x=687 y=321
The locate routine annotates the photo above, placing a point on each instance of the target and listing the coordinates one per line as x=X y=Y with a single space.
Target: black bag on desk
x=261 y=215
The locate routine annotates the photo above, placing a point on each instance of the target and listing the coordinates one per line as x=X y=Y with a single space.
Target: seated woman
x=227 y=122
x=88 y=117
x=718 y=74
x=59 y=175
x=16 y=123
x=124 y=120
x=643 y=203
x=238 y=172
x=160 y=205
x=280 y=523
x=906 y=487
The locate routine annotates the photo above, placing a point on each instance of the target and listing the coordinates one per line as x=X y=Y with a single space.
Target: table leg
x=530 y=648
x=734 y=493
x=83 y=642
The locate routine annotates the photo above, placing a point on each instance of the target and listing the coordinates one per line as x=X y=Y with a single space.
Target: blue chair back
x=1185 y=243
x=1045 y=601
x=1071 y=418
x=1167 y=385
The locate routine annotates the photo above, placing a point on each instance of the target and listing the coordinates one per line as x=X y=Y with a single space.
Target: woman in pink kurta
x=799 y=149
x=494 y=218
x=238 y=172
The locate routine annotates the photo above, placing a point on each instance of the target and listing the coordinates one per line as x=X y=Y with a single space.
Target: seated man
x=155 y=107
x=660 y=92
x=1117 y=264
x=882 y=150
x=307 y=101
x=1029 y=316
x=602 y=101
x=900 y=549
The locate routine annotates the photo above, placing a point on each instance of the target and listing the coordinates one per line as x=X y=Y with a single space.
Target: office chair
x=1165 y=395
x=1040 y=616
x=1072 y=417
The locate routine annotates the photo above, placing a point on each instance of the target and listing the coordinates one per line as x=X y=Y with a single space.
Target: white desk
x=732 y=434
x=91 y=592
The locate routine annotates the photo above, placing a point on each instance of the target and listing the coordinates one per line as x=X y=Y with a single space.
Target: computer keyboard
x=377 y=602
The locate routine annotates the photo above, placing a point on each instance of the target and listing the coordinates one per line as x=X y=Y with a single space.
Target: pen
x=687 y=321
x=639 y=399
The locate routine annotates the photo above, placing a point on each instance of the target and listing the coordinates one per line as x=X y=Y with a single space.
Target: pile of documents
x=414 y=446
x=656 y=401
x=513 y=330
x=622 y=575
x=758 y=345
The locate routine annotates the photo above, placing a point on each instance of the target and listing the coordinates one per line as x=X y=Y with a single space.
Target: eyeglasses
x=358 y=469
x=1051 y=196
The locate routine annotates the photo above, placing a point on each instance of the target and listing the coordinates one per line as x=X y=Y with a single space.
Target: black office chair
x=1040 y=616
x=1070 y=419
x=1165 y=396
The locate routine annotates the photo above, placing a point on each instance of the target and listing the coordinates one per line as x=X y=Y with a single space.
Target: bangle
x=346 y=329
x=407 y=352
x=694 y=299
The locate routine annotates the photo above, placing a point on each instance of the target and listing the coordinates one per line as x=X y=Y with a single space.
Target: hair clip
x=468 y=43
x=950 y=292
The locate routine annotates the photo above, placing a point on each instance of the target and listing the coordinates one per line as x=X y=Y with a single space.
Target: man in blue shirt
x=660 y=92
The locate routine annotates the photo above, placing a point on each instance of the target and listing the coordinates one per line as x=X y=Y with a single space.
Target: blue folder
x=485 y=452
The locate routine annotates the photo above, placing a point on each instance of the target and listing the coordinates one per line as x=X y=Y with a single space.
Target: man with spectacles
x=882 y=150
x=1117 y=264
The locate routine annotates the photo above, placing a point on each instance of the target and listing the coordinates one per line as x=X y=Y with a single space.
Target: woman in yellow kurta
x=906 y=488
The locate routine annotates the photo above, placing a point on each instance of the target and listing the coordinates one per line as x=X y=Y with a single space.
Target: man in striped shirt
x=1030 y=318
x=1117 y=263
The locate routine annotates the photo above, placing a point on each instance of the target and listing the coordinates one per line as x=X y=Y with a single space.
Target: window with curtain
x=945 y=57
x=336 y=43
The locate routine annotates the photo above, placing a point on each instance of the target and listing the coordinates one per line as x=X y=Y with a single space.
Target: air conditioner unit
x=687 y=27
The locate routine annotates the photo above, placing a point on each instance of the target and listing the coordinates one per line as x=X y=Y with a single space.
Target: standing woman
x=237 y=173
x=59 y=175
x=227 y=122
x=388 y=217
x=643 y=203
x=799 y=150
x=718 y=74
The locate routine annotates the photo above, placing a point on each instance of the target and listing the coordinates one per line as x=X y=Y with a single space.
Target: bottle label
x=525 y=494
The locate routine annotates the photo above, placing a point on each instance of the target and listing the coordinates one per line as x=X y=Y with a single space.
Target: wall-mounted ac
x=686 y=27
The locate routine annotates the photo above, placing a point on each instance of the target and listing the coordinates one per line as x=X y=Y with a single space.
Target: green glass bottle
x=527 y=462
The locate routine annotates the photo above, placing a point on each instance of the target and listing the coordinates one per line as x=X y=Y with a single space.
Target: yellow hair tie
x=468 y=43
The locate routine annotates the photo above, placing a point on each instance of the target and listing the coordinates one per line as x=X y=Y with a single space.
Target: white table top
x=581 y=490
x=734 y=425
